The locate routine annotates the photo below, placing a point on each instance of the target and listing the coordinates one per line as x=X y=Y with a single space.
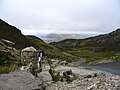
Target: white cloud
x=35 y=32
x=62 y=16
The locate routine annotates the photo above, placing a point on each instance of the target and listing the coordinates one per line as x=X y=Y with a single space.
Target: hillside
x=98 y=49
x=50 y=51
x=13 y=34
x=10 y=57
x=67 y=43
x=110 y=41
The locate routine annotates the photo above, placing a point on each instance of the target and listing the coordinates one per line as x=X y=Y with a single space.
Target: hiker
x=40 y=58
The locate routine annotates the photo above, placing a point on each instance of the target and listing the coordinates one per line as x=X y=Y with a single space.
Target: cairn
x=31 y=60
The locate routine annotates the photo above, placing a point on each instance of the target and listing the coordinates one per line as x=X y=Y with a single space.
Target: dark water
x=112 y=67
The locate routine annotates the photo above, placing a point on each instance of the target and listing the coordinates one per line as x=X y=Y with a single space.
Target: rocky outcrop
x=19 y=80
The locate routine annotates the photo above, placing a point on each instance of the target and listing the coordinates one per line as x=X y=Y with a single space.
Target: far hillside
x=95 y=49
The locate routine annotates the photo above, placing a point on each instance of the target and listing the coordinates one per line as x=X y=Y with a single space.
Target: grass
x=90 y=56
x=9 y=59
x=8 y=68
x=50 y=51
x=116 y=58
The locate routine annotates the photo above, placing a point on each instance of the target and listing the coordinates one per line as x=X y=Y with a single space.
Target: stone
x=20 y=80
x=63 y=63
x=8 y=42
x=68 y=76
x=88 y=76
x=29 y=49
x=55 y=75
x=101 y=82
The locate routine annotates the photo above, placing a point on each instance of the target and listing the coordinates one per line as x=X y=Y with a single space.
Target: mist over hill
x=58 y=37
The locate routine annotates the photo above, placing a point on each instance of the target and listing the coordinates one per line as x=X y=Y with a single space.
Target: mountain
x=58 y=37
x=10 y=57
x=12 y=34
x=110 y=41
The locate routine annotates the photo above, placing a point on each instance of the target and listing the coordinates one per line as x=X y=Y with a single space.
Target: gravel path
x=78 y=70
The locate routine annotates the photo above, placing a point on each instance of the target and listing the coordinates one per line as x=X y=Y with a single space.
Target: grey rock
x=20 y=80
x=101 y=82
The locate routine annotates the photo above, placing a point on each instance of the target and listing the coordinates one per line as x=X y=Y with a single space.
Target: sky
x=34 y=17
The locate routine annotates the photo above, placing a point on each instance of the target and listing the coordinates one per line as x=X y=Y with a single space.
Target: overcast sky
x=62 y=16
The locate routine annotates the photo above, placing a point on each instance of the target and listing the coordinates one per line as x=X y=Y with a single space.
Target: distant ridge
x=110 y=41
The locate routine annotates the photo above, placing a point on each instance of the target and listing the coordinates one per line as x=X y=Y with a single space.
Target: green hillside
x=50 y=51
x=10 y=57
x=94 y=49
x=13 y=34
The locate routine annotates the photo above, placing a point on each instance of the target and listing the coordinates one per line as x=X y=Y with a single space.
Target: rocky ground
x=88 y=79
x=19 y=80
x=99 y=82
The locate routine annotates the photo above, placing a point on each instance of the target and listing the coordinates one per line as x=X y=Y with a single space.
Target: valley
x=98 y=49
x=68 y=61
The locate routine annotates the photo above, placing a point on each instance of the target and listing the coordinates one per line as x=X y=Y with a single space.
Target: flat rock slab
x=19 y=80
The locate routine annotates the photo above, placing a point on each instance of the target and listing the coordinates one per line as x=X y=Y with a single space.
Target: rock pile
x=95 y=82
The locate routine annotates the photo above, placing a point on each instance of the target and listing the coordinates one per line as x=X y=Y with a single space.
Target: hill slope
x=10 y=57
x=13 y=34
x=98 y=49
x=110 y=41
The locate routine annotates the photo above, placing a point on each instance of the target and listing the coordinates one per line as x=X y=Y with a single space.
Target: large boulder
x=20 y=80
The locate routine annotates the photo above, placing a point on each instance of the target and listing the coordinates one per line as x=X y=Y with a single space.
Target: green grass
x=116 y=58
x=90 y=56
x=8 y=68
x=9 y=59
x=50 y=51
